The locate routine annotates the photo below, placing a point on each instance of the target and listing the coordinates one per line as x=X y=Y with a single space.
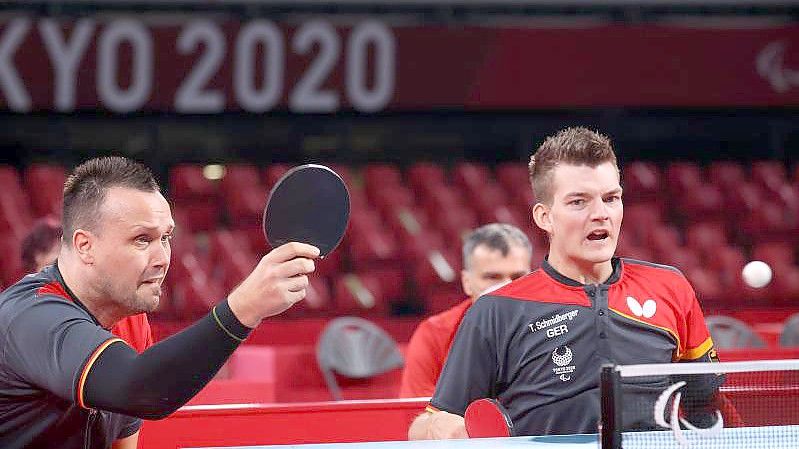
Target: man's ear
x=83 y=245
x=542 y=217
x=466 y=283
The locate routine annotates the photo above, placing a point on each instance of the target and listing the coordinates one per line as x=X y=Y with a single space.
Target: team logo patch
x=646 y=310
x=562 y=357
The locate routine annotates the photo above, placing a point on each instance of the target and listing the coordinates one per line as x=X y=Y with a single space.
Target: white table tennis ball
x=756 y=274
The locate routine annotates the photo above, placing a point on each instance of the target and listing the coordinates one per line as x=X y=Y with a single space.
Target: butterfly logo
x=646 y=310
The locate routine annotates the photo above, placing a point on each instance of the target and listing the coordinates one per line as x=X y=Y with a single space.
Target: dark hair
x=43 y=235
x=575 y=146
x=497 y=236
x=86 y=188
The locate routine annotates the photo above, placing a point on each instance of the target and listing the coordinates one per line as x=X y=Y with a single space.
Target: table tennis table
x=771 y=437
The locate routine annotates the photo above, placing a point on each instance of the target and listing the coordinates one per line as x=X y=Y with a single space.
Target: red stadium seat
x=636 y=252
x=198 y=216
x=357 y=194
x=15 y=209
x=389 y=197
x=272 y=173
x=641 y=182
x=683 y=177
x=437 y=267
x=768 y=223
x=486 y=200
x=742 y=199
x=774 y=253
x=392 y=282
x=680 y=257
x=784 y=288
x=195 y=293
x=376 y=176
x=706 y=284
x=727 y=261
x=187 y=183
x=640 y=219
x=456 y=221
x=706 y=237
x=471 y=177
x=505 y=214
x=359 y=294
x=727 y=175
x=769 y=174
x=421 y=176
x=45 y=184
x=440 y=198
x=11 y=263
x=405 y=220
x=371 y=245
x=663 y=238
x=524 y=200
x=345 y=172
x=513 y=176
x=245 y=205
x=702 y=200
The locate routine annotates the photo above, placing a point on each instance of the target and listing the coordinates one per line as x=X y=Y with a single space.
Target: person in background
x=42 y=244
x=493 y=255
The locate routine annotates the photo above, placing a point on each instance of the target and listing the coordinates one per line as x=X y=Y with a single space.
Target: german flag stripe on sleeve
x=699 y=351
x=88 y=366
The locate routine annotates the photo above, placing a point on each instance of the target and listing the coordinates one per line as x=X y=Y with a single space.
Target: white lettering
x=116 y=98
x=65 y=57
x=376 y=34
x=308 y=95
x=13 y=89
x=191 y=96
x=559 y=330
x=770 y=64
x=543 y=324
x=248 y=95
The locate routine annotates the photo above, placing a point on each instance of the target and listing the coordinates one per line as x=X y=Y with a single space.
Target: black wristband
x=228 y=322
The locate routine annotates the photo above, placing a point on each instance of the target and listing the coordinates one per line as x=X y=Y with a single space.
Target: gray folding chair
x=731 y=333
x=356 y=348
x=790 y=332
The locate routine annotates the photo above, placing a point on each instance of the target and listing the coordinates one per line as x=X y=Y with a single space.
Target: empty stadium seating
x=407 y=223
x=403 y=242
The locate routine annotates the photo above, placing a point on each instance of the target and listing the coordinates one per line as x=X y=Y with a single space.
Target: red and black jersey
x=427 y=351
x=538 y=343
x=48 y=344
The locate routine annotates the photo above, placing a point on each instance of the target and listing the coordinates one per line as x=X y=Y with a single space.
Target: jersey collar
x=554 y=274
x=57 y=274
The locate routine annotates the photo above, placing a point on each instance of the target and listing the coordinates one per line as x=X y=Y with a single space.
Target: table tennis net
x=701 y=405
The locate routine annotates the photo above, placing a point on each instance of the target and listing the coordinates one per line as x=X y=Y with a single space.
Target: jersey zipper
x=87 y=436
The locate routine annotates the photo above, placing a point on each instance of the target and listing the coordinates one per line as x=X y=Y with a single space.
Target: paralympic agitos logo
x=674 y=420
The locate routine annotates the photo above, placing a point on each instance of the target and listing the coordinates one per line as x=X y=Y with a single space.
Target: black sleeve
x=157 y=382
x=470 y=371
x=48 y=342
x=701 y=393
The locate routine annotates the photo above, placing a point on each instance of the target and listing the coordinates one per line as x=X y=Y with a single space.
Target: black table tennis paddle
x=308 y=204
x=486 y=418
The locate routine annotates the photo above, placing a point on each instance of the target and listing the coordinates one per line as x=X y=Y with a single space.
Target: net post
x=610 y=407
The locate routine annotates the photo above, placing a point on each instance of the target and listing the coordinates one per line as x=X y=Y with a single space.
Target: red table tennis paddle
x=487 y=418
